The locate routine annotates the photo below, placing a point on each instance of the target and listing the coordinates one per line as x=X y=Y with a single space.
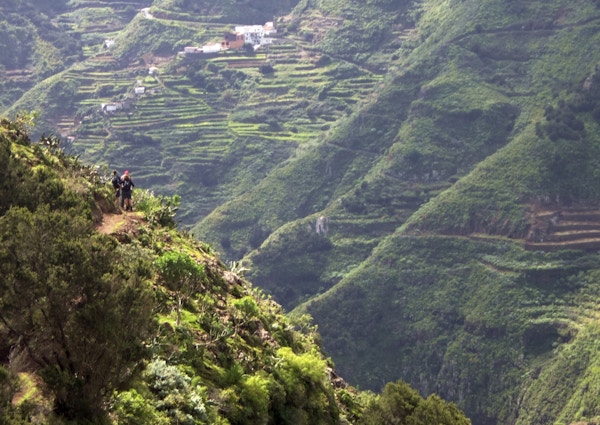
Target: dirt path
x=120 y=223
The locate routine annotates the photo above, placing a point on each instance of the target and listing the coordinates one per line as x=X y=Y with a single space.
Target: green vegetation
x=429 y=193
x=388 y=166
x=80 y=323
x=228 y=11
x=206 y=127
x=87 y=317
x=180 y=274
x=399 y=403
x=471 y=313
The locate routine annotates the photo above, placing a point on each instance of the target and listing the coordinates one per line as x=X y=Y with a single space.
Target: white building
x=211 y=48
x=257 y=34
x=111 y=107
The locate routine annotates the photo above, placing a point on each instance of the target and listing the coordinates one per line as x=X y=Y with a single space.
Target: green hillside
x=207 y=126
x=416 y=233
x=109 y=317
x=419 y=176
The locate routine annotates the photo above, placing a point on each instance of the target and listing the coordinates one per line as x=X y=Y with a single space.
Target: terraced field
x=569 y=228
x=285 y=95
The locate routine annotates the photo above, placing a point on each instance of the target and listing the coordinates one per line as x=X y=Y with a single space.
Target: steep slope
x=128 y=321
x=228 y=11
x=221 y=335
x=206 y=126
x=488 y=118
x=400 y=131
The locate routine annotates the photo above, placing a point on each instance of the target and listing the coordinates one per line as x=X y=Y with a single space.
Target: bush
x=85 y=313
x=266 y=69
x=8 y=388
x=181 y=274
x=178 y=399
x=297 y=368
x=247 y=306
x=132 y=409
x=399 y=403
x=158 y=210
x=255 y=396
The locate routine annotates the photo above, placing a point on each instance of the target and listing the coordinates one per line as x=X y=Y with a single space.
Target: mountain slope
x=493 y=120
x=206 y=126
x=134 y=322
x=377 y=149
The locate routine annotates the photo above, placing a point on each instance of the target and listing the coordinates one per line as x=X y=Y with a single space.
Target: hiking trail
x=120 y=224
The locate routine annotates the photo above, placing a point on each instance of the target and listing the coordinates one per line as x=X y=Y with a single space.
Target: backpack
x=116 y=182
x=127 y=185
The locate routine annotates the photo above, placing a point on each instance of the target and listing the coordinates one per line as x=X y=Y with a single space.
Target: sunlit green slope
x=112 y=317
x=371 y=136
x=419 y=218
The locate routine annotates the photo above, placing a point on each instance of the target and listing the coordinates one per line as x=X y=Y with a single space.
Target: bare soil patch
x=120 y=225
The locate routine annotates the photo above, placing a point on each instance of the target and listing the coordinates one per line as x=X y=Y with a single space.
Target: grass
x=30 y=392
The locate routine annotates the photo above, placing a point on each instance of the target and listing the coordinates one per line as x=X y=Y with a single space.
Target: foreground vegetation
x=143 y=324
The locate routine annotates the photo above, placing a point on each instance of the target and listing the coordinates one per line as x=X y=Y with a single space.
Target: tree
x=75 y=311
x=401 y=404
x=181 y=274
x=396 y=403
x=435 y=411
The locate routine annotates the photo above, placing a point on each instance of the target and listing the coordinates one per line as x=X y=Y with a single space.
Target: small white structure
x=139 y=90
x=191 y=50
x=211 y=48
x=146 y=12
x=322 y=226
x=112 y=107
x=109 y=42
x=153 y=70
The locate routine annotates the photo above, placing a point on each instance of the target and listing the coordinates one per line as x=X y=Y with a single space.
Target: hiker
x=126 y=189
x=117 y=182
x=125 y=173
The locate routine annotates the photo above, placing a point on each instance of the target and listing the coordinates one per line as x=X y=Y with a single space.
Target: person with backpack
x=125 y=173
x=126 y=190
x=117 y=182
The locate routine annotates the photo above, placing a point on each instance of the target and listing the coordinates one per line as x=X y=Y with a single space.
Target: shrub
x=181 y=274
x=132 y=409
x=85 y=313
x=300 y=367
x=266 y=69
x=158 y=210
x=8 y=388
x=180 y=401
x=255 y=397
